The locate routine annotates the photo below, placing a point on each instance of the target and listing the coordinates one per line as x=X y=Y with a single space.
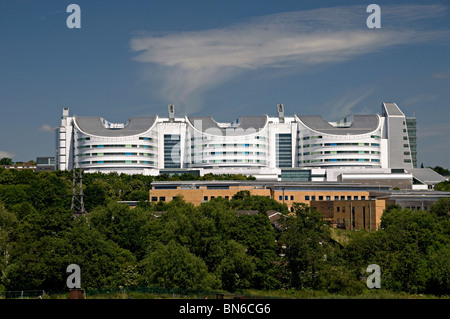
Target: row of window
x=320 y=136
x=340 y=160
x=116 y=154
x=321 y=197
x=230 y=161
x=228 y=153
x=230 y=145
x=311 y=137
x=280 y=198
x=117 y=146
x=205 y=198
x=141 y=138
x=262 y=138
x=118 y=162
x=340 y=152
x=339 y=144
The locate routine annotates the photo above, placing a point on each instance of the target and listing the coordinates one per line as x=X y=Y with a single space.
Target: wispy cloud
x=442 y=75
x=345 y=104
x=46 y=128
x=432 y=131
x=421 y=99
x=191 y=63
x=4 y=154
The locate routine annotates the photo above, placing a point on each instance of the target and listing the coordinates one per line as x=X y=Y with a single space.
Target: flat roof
x=279 y=185
x=426 y=175
x=411 y=194
x=392 y=109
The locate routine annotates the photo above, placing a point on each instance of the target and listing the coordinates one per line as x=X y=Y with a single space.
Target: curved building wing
x=102 y=145
x=353 y=141
x=243 y=143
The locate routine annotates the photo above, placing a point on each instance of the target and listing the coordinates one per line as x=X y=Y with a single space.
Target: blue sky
x=221 y=58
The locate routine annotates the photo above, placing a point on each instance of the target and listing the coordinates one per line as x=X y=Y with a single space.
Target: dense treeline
x=210 y=247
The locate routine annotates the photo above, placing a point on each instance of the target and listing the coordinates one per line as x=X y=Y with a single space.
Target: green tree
x=95 y=195
x=307 y=240
x=6 y=161
x=48 y=190
x=14 y=194
x=410 y=249
x=38 y=264
x=102 y=261
x=122 y=225
x=8 y=222
x=47 y=222
x=441 y=208
x=443 y=186
x=440 y=170
x=236 y=269
x=257 y=234
x=241 y=195
x=173 y=266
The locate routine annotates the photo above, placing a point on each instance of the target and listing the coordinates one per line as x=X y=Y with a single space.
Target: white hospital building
x=298 y=147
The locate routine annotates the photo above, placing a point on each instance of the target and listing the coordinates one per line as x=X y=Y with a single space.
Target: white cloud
x=6 y=154
x=46 y=128
x=431 y=131
x=344 y=105
x=442 y=75
x=190 y=63
x=421 y=99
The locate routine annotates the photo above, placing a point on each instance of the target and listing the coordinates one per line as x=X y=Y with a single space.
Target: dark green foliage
x=6 y=161
x=441 y=170
x=173 y=265
x=123 y=226
x=412 y=250
x=308 y=247
x=177 y=245
x=443 y=186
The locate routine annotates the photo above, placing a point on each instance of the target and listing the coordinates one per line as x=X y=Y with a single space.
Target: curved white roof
x=245 y=125
x=94 y=126
x=362 y=124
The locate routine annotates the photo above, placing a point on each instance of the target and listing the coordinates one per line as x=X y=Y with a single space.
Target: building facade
x=300 y=147
x=352 y=214
x=344 y=205
x=198 y=192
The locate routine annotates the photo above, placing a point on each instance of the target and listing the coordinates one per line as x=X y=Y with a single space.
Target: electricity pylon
x=77 y=205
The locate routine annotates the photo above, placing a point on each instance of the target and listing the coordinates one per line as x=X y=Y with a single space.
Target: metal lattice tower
x=77 y=205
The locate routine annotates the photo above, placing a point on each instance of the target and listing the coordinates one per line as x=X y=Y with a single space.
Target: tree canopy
x=208 y=247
